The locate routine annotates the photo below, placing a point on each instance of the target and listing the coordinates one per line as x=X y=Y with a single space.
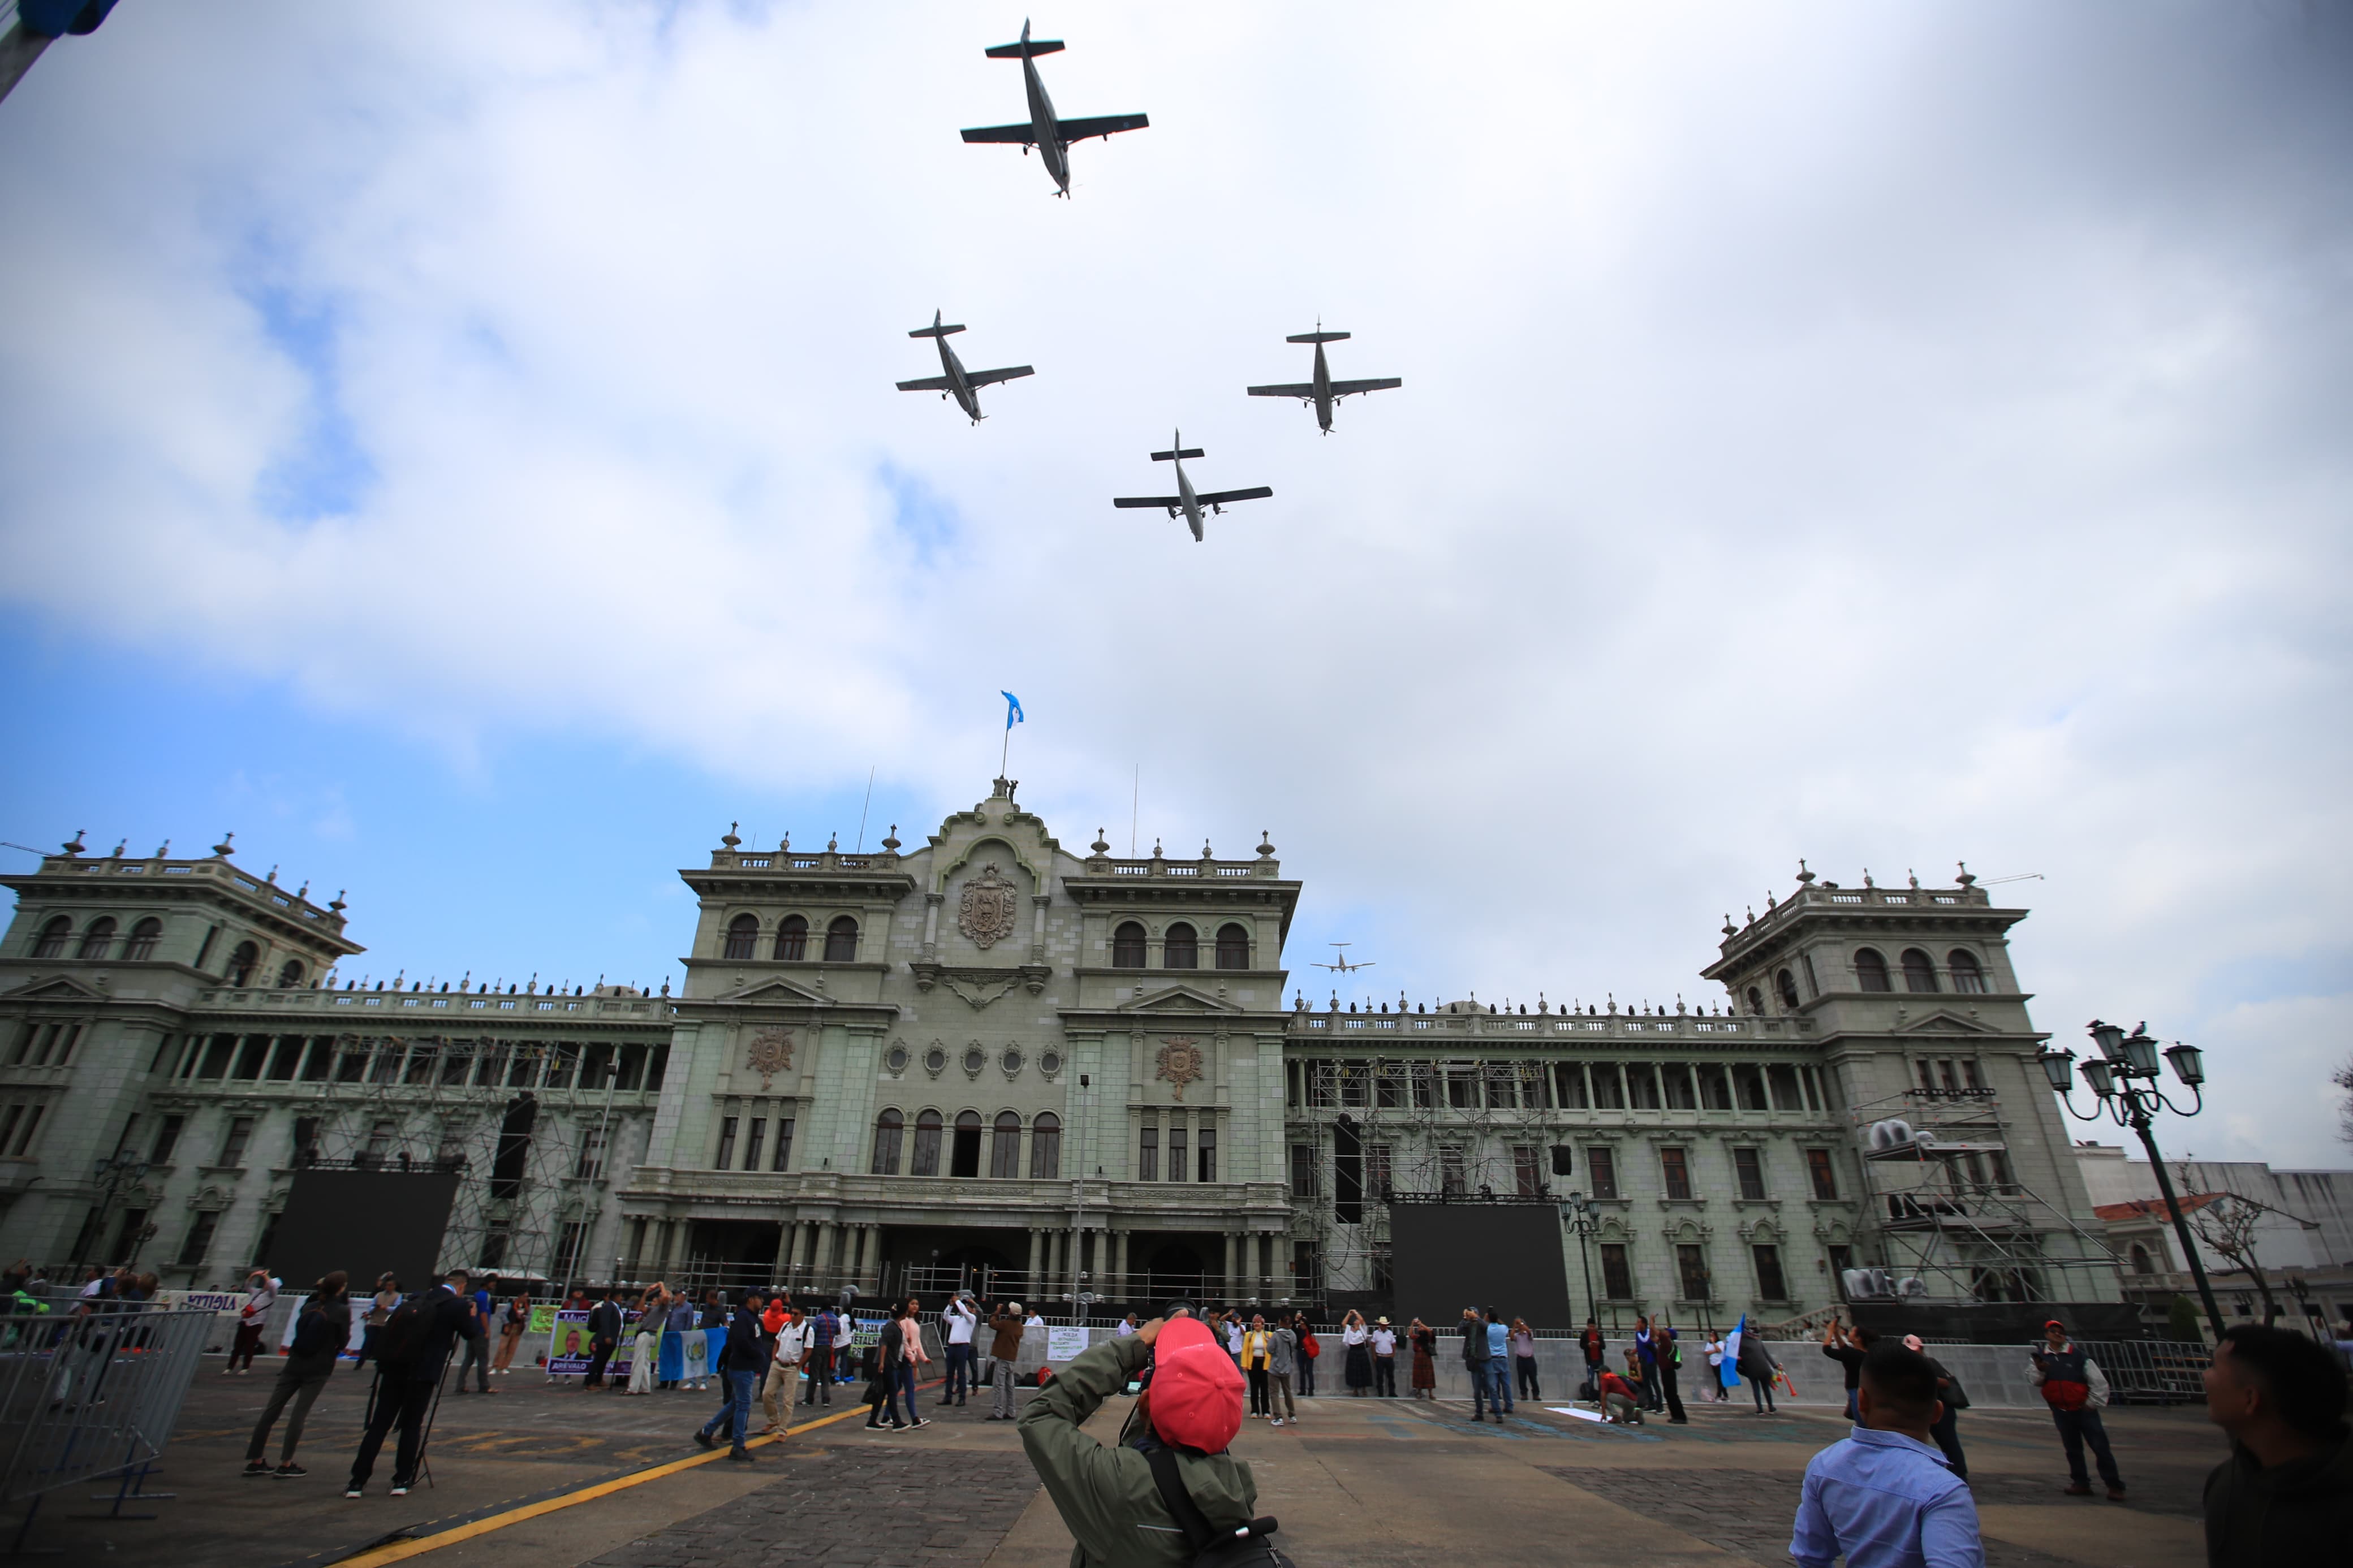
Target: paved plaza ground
x=1366 y=1483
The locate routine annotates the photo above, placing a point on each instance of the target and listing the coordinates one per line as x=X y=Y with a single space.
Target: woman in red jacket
x=1308 y=1350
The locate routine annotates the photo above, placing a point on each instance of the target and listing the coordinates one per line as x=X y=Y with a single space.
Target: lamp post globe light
x=2124 y=1079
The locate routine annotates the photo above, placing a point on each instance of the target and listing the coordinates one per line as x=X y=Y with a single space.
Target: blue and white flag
x=1012 y=710
x=1732 y=1352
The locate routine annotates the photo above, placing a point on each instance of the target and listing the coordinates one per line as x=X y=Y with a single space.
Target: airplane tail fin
x=1182 y=452
x=1028 y=48
x=1318 y=336
x=935 y=330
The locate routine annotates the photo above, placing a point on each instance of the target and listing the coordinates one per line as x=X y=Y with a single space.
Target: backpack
x=402 y=1337
x=1212 y=1547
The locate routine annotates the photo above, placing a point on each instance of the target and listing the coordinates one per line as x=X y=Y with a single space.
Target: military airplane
x=1186 y=502
x=958 y=383
x=1322 y=392
x=1340 y=964
x=1052 y=136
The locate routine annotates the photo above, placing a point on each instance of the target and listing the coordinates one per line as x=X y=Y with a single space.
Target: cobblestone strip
x=875 y=1508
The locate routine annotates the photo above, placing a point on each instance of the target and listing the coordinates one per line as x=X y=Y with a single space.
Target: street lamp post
x=109 y=1173
x=1578 y=1215
x=2124 y=1082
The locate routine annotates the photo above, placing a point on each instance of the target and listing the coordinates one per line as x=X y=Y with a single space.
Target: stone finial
x=1750 y=910
x=165 y=850
x=336 y=903
x=1866 y=877
x=1915 y=878
x=1730 y=928
x=273 y=875
x=119 y=846
x=1206 y=854
x=890 y=843
x=1804 y=876
x=1155 y=847
x=728 y=838
x=303 y=892
x=221 y=850
x=1965 y=878
x=1101 y=846
x=1679 y=1004
x=832 y=843
x=73 y=846
x=1265 y=844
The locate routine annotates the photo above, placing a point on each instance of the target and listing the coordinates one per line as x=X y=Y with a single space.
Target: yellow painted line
x=399 y=1549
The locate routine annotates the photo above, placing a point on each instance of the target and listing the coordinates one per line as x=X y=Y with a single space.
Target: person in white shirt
x=1383 y=1339
x=958 y=1320
x=781 y=1386
x=1234 y=1338
x=1033 y=1322
x=261 y=1294
x=1126 y=1326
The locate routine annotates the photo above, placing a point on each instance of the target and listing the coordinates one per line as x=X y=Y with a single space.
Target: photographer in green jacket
x=1192 y=1407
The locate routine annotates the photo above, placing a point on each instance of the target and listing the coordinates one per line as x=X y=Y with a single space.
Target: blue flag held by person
x=1732 y=1352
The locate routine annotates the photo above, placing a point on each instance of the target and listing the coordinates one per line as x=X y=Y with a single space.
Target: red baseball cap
x=1197 y=1390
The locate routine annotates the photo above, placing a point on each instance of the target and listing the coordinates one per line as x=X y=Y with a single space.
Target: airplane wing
x=1100 y=125
x=1350 y=388
x=990 y=377
x=1218 y=498
x=929 y=384
x=1289 y=389
x=1024 y=133
x=1160 y=502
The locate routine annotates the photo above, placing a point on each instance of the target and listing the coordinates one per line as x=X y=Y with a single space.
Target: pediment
x=56 y=988
x=1178 y=999
x=1942 y=1022
x=776 y=992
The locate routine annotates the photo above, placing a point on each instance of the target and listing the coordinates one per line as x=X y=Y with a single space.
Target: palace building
x=991 y=1059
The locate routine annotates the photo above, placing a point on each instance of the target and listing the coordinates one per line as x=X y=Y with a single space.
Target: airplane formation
x=1053 y=136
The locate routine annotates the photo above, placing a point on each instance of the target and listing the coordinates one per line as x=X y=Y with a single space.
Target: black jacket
x=748 y=1348
x=2290 y=1516
x=448 y=1317
x=605 y=1322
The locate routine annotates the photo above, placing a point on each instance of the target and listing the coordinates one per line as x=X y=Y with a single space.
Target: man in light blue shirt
x=1884 y=1498
x=1498 y=1369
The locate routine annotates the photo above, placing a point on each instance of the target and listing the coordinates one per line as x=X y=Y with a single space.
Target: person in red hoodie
x=1620 y=1403
x=2076 y=1388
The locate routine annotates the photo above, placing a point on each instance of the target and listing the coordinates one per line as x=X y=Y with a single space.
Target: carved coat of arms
x=770 y=1053
x=1180 y=1062
x=985 y=910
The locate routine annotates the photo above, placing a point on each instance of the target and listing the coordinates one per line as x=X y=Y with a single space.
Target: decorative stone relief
x=770 y=1053
x=1179 y=1062
x=985 y=911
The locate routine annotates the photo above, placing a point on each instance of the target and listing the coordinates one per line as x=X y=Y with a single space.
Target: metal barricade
x=92 y=1397
x=2152 y=1371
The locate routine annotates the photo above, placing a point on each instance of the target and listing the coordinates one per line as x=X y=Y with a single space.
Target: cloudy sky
x=455 y=447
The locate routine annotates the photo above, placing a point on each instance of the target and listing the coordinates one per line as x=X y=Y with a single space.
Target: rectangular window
x=305 y=1148
x=1607 y=1093
x=1813 y=1091
x=8 y=1120
x=1527 y=1174
x=1302 y=1170
x=567 y=1249
x=754 y=1136
x=1715 y=1089
x=591 y=1163
x=1969 y=1073
x=240 y=1133
x=784 y=1155
x=1207 y=1153
x=1388 y=1086
x=1823 y=1174
x=421 y=1063
x=1462 y=1088
x=1568 y=1084
x=2001 y=1172
x=1450 y=1179
x=1425 y=1085
x=1691 y=1269
x=564 y=1064
x=1377 y=1168
x=1675 y=1079
x=726 y=1145
x=167 y=1138
x=926 y=1162
x=1290 y=1085
x=1749 y=1080
x=1602 y=1165
x=495 y=1237
x=1045 y=1150
x=1748 y=1166
x=199 y=1239
x=388 y=1063
x=126 y=1235
x=284 y=1057
x=1147 y=1153
x=1783 y=1080
x=1676 y=1168
x=1616 y=1276
x=1175 y=1154
x=1642 y=1086
x=65 y=1051
x=25 y=1136
x=1769 y=1284
x=1945 y=1072
x=1841 y=1259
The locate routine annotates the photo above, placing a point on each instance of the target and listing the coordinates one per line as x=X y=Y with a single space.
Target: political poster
x=1065 y=1343
x=568 y=1348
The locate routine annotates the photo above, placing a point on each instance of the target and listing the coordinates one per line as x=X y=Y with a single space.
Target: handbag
x=1212 y=1547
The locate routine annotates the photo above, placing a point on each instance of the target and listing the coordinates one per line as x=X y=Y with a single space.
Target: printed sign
x=1064 y=1342
x=568 y=1348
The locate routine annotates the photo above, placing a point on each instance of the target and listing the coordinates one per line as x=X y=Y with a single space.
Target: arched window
x=1233 y=946
x=2141 y=1262
x=144 y=938
x=927 y=1144
x=241 y=962
x=290 y=973
x=1180 y=949
x=742 y=937
x=1005 y=1146
x=841 y=941
x=96 y=939
x=1755 y=1002
x=963 y=1159
x=1870 y=969
x=1919 y=971
x=792 y=938
x=890 y=1128
x=1787 y=985
x=53 y=938
x=1966 y=977
x=1127 y=946
x=1046 y=1147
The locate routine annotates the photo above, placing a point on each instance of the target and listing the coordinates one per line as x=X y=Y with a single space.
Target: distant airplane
x=1053 y=137
x=1185 y=502
x=960 y=383
x=1340 y=964
x=1322 y=392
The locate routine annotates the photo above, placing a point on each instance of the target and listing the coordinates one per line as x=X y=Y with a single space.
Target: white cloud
x=1881 y=437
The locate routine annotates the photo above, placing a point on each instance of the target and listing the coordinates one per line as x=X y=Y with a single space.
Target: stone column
x=821 y=1245
x=1227 y=1284
x=1118 y=1285
x=1035 y=1263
